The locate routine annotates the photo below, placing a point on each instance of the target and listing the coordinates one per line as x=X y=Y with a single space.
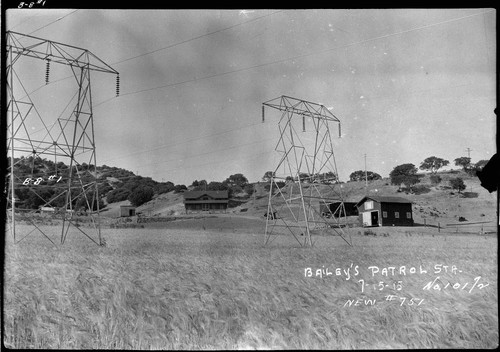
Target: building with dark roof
x=338 y=209
x=385 y=211
x=210 y=201
x=127 y=210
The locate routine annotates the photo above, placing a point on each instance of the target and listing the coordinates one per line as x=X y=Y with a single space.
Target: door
x=205 y=206
x=367 y=220
x=374 y=218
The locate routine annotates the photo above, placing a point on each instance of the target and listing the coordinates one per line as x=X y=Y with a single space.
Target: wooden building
x=385 y=211
x=211 y=201
x=328 y=209
x=127 y=210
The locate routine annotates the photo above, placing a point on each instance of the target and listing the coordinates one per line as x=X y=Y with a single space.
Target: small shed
x=385 y=211
x=211 y=201
x=127 y=210
x=332 y=209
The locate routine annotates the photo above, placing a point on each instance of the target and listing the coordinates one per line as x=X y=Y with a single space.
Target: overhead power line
x=300 y=56
x=207 y=153
x=60 y=18
x=195 y=38
x=180 y=143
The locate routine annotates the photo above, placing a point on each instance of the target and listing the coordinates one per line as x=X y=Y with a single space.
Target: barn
x=211 y=201
x=385 y=211
x=127 y=210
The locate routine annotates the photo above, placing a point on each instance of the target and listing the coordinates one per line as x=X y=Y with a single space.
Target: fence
x=483 y=227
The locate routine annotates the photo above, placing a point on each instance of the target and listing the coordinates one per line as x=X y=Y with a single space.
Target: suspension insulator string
x=47 y=71
x=117 y=85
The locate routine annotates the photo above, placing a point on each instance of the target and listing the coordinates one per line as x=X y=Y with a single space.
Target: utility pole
x=366 y=175
x=468 y=152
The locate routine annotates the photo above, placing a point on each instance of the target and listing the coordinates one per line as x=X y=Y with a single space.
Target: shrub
x=249 y=189
x=458 y=184
x=280 y=184
x=141 y=195
x=435 y=179
x=421 y=189
x=117 y=195
x=164 y=187
x=470 y=195
x=179 y=188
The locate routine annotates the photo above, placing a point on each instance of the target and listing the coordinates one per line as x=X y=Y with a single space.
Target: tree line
x=234 y=184
x=37 y=186
x=404 y=174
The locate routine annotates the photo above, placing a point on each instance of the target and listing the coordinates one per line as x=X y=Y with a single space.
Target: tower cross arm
x=55 y=52
x=301 y=107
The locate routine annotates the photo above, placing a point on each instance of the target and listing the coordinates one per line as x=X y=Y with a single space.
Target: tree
x=82 y=202
x=200 y=185
x=117 y=195
x=326 y=178
x=141 y=195
x=216 y=186
x=164 y=187
x=179 y=188
x=463 y=161
x=236 y=180
x=249 y=189
x=276 y=186
x=433 y=164
x=360 y=176
x=404 y=174
x=267 y=176
x=304 y=177
x=458 y=184
x=280 y=184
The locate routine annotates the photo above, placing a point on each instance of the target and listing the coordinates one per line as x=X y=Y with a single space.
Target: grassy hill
x=431 y=203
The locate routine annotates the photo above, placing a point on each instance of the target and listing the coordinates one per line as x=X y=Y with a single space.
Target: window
x=408 y=215
x=396 y=214
x=384 y=214
x=369 y=205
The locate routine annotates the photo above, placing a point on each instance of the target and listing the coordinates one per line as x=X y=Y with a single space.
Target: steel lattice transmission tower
x=41 y=126
x=306 y=176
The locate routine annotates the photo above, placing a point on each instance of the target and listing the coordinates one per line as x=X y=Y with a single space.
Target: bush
x=458 y=184
x=141 y=195
x=435 y=179
x=82 y=203
x=249 y=189
x=117 y=195
x=421 y=189
x=470 y=195
x=179 y=188
x=164 y=187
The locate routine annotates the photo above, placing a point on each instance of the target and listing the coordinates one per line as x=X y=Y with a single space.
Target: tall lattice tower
x=50 y=138
x=305 y=196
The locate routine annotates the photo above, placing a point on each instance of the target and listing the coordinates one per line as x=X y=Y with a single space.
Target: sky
x=406 y=84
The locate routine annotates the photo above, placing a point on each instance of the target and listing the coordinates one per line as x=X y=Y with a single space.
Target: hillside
x=431 y=204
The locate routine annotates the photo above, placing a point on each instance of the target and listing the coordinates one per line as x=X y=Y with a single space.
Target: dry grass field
x=190 y=288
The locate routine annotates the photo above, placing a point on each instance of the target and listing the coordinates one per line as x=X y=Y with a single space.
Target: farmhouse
x=197 y=201
x=127 y=210
x=385 y=211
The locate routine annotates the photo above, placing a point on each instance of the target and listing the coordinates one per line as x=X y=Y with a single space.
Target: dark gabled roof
x=198 y=194
x=385 y=199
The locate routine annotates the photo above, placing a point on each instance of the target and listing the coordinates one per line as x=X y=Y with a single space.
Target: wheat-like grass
x=186 y=289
